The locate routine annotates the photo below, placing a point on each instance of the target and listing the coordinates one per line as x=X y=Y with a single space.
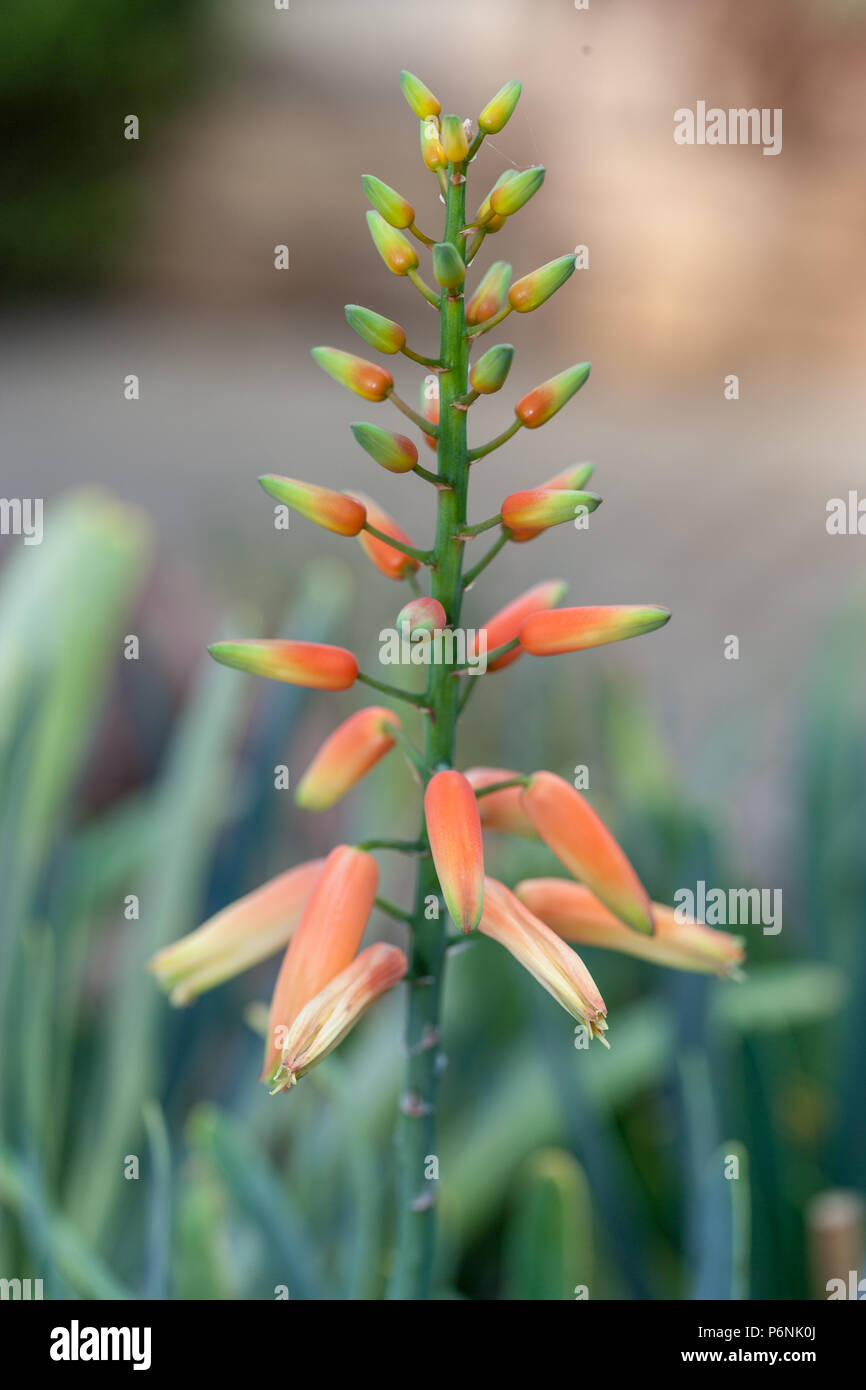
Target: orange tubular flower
x=240 y=936
x=325 y=942
x=324 y=1022
x=574 y=478
x=312 y=664
x=505 y=625
x=541 y=403
x=575 y=629
x=343 y=759
x=574 y=913
x=500 y=810
x=365 y=378
x=582 y=842
x=539 y=950
x=535 y=509
x=454 y=832
x=390 y=562
x=332 y=510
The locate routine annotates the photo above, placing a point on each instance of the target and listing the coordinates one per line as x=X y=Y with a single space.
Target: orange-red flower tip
x=582 y=842
x=490 y=296
x=332 y=510
x=312 y=664
x=545 y=955
x=396 y=452
x=344 y=758
x=576 y=629
x=541 y=403
x=454 y=831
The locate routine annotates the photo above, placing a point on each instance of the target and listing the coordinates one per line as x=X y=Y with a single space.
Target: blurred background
x=154 y=777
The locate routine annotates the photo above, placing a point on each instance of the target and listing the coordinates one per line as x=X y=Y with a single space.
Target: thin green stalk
x=471 y=575
x=494 y=443
x=416 y=1133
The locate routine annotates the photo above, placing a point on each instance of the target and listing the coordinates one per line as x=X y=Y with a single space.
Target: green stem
x=424 y=557
x=423 y=288
x=489 y=323
x=416 y=1132
x=501 y=786
x=471 y=575
x=420 y=358
x=494 y=443
x=425 y=425
x=394 y=691
x=480 y=526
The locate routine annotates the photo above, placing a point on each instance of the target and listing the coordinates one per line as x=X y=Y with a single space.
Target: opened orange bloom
x=502 y=810
x=344 y=758
x=325 y=942
x=576 y=629
x=454 y=832
x=241 y=935
x=313 y=664
x=574 y=913
x=332 y=1013
x=582 y=842
x=505 y=625
x=545 y=955
x=389 y=561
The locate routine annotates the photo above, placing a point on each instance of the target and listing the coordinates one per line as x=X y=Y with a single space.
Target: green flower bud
x=454 y=141
x=484 y=215
x=448 y=266
x=510 y=197
x=489 y=298
x=490 y=371
x=396 y=452
x=498 y=111
x=539 y=285
x=390 y=204
x=375 y=329
x=419 y=97
x=541 y=403
x=398 y=254
x=431 y=146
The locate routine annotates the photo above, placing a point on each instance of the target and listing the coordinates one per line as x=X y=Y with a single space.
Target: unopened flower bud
x=499 y=109
x=490 y=296
x=453 y=137
x=396 y=210
x=381 y=333
x=332 y=510
x=538 y=508
x=431 y=146
x=448 y=266
x=454 y=832
x=365 y=378
x=398 y=254
x=500 y=810
x=576 y=629
x=388 y=561
x=312 y=664
x=571 y=479
x=541 y=404
x=430 y=405
x=419 y=97
x=505 y=625
x=343 y=759
x=485 y=213
x=510 y=197
x=533 y=289
x=396 y=452
x=422 y=615
x=489 y=372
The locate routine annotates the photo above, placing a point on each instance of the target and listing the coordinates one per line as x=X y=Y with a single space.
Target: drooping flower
x=330 y=1015
x=238 y=937
x=332 y=510
x=573 y=912
x=454 y=832
x=505 y=625
x=365 y=378
x=396 y=452
x=313 y=664
x=502 y=810
x=325 y=942
x=545 y=955
x=387 y=559
x=541 y=403
x=575 y=629
x=352 y=749
x=582 y=842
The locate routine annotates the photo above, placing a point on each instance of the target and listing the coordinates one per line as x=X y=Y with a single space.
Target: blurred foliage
x=69 y=74
x=138 y=1155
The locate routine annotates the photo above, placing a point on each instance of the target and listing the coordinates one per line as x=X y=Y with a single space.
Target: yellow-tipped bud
x=396 y=210
x=454 y=141
x=398 y=254
x=419 y=96
x=500 y=108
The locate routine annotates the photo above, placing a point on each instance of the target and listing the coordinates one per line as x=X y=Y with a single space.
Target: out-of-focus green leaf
x=723 y=1228
x=548 y=1251
x=772 y=998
